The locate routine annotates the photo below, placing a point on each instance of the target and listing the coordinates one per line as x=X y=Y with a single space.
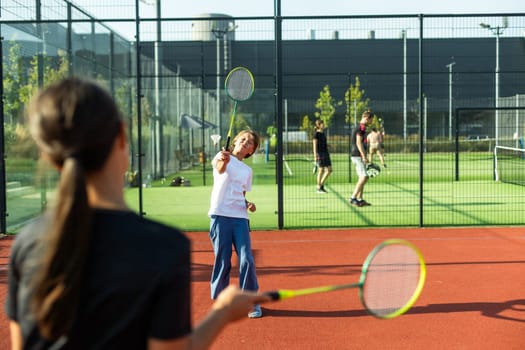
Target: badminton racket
x=373 y=170
x=239 y=86
x=315 y=167
x=392 y=278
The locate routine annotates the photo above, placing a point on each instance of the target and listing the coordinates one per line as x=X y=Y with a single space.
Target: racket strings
x=392 y=279
x=240 y=85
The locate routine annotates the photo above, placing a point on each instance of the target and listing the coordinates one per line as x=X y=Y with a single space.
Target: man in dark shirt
x=321 y=155
x=358 y=153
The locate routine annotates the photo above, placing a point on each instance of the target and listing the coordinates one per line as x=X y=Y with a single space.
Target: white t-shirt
x=227 y=196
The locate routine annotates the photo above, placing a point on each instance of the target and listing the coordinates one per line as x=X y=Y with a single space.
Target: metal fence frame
x=137 y=78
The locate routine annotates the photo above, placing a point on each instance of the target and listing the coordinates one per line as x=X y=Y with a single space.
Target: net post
x=495 y=163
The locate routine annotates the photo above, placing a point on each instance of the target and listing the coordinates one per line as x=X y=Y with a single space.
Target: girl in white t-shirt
x=229 y=216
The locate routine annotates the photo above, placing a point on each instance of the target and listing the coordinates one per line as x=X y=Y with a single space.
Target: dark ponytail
x=67 y=241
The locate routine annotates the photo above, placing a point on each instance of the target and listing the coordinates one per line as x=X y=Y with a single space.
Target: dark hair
x=256 y=140
x=368 y=114
x=75 y=124
x=318 y=123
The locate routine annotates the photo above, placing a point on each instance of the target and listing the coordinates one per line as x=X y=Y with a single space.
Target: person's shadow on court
x=512 y=310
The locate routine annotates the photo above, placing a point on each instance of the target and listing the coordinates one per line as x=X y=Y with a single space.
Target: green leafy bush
x=18 y=142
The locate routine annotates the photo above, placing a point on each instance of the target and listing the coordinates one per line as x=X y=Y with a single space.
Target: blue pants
x=225 y=232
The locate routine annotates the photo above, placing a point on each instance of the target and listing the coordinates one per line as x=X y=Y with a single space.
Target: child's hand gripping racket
x=315 y=164
x=239 y=86
x=315 y=167
x=392 y=278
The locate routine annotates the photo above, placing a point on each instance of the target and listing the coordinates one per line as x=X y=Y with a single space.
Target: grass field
x=398 y=196
x=395 y=194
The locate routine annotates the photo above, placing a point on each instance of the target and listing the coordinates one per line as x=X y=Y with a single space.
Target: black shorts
x=324 y=160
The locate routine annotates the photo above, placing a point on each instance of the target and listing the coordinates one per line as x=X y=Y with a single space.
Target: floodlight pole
x=405 y=119
x=497 y=31
x=425 y=119
x=496 y=102
x=156 y=159
x=159 y=170
x=3 y=194
x=220 y=34
x=139 y=107
x=517 y=132
x=157 y=167
x=218 y=77
x=450 y=82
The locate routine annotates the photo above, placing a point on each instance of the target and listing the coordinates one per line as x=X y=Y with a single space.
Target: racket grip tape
x=227 y=145
x=282 y=294
x=274 y=295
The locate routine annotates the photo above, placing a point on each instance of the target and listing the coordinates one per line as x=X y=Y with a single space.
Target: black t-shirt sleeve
x=20 y=267
x=11 y=306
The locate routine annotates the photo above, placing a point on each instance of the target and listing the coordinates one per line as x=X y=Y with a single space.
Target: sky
x=252 y=8
x=124 y=9
x=240 y=8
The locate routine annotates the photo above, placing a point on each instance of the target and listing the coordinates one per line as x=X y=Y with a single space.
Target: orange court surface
x=473 y=298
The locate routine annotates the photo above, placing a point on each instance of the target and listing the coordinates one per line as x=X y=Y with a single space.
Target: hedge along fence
x=395 y=144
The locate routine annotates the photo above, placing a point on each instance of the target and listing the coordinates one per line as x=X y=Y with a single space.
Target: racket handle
x=274 y=295
x=227 y=145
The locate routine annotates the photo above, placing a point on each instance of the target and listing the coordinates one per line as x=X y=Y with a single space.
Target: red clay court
x=474 y=296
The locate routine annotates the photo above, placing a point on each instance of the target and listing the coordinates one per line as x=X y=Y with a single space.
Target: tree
x=377 y=123
x=54 y=70
x=307 y=126
x=13 y=80
x=124 y=95
x=326 y=105
x=20 y=83
x=239 y=124
x=271 y=130
x=355 y=102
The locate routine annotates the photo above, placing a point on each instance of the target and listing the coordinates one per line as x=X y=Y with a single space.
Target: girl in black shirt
x=89 y=273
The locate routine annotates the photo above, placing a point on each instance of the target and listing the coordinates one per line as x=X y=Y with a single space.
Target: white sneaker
x=256 y=312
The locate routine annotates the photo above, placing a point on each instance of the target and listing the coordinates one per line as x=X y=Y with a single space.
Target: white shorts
x=360 y=166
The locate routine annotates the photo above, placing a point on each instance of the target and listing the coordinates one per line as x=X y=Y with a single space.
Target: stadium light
x=497 y=31
x=157 y=166
x=449 y=66
x=405 y=119
x=220 y=34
